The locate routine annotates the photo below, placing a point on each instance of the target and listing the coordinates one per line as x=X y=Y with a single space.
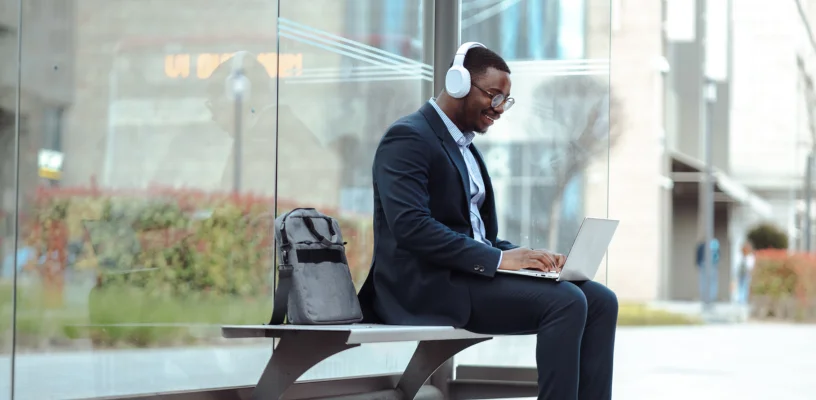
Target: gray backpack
x=314 y=280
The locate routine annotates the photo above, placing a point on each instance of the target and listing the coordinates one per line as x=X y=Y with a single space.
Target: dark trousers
x=574 y=321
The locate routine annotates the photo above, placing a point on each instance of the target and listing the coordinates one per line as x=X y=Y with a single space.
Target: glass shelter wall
x=134 y=239
x=148 y=145
x=548 y=156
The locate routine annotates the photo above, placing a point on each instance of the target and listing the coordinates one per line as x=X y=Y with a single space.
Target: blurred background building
x=760 y=133
x=132 y=99
x=128 y=124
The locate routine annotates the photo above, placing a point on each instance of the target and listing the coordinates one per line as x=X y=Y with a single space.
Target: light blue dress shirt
x=477 y=185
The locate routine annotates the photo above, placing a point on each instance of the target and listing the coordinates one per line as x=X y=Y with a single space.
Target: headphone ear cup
x=457 y=82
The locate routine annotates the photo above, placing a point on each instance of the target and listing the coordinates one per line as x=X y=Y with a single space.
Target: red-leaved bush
x=783 y=279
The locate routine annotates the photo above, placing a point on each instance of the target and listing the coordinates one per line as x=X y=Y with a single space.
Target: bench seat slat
x=357 y=333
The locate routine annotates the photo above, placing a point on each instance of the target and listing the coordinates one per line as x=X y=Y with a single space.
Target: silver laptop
x=584 y=256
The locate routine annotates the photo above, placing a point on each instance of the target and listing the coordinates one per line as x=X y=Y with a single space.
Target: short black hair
x=479 y=59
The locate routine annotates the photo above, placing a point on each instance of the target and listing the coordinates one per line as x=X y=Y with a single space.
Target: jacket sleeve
x=402 y=166
x=504 y=245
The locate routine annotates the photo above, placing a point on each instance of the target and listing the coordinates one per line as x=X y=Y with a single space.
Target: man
x=744 y=271
x=437 y=250
x=709 y=277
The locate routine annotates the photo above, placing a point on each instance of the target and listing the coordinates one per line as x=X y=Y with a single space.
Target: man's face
x=478 y=114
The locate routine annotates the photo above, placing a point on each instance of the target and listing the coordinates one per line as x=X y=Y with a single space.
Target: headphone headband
x=459 y=58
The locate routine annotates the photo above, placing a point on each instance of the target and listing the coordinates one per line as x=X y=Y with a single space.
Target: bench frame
x=471 y=383
x=299 y=348
x=302 y=347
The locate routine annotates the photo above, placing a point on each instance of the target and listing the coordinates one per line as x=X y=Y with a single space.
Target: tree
x=582 y=119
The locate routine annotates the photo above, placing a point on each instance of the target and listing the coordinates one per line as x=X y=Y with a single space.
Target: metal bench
x=301 y=347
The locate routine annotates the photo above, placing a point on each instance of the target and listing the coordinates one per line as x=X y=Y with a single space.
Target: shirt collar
x=461 y=139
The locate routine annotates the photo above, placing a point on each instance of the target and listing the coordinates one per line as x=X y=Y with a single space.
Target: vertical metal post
x=708 y=93
x=808 y=200
x=707 y=190
x=18 y=111
x=446 y=39
x=428 y=45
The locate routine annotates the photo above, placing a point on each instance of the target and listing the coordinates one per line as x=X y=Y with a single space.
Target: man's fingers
x=548 y=259
x=546 y=264
x=542 y=255
x=561 y=261
x=539 y=265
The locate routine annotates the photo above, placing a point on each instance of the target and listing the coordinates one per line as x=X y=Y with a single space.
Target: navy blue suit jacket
x=424 y=251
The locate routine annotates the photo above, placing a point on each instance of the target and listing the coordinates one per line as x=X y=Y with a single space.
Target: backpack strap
x=320 y=238
x=284 y=277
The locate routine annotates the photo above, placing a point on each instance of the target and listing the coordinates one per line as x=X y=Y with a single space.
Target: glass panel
x=138 y=243
x=548 y=156
x=361 y=71
x=9 y=67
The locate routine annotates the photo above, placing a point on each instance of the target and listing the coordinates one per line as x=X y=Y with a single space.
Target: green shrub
x=768 y=236
x=173 y=243
x=170 y=265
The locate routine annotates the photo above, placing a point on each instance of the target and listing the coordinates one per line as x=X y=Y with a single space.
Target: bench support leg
x=429 y=355
x=293 y=356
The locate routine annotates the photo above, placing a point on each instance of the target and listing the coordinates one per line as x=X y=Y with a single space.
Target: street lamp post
x=707 y=192
x=715 y=54
x=238 y=89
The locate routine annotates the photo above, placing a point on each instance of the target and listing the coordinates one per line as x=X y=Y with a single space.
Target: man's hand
x=521 y=258
x=560 y=261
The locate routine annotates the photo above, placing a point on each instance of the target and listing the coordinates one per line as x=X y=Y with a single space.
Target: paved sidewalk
x=742 y=361
x=750 y=361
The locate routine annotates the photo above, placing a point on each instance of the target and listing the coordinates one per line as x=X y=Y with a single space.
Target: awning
x=688 y=169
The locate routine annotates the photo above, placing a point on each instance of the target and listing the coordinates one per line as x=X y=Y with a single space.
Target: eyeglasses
x=498 y=99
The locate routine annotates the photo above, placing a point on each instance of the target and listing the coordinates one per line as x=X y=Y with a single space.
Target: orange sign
x=179 y=66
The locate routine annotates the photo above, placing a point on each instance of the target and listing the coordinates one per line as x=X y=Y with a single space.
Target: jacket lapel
x=450 y=146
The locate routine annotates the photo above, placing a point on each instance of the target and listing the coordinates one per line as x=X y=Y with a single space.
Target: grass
x=642 y=315
x=124 y=318
x=127 y=317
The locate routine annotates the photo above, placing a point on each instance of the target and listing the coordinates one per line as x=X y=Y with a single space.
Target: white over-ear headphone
x=237 y=80
x=457 y=80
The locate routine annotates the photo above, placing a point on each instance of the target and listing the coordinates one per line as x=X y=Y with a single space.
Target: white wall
x=764 y=111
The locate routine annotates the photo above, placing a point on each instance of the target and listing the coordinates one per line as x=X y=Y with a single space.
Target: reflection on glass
x=158 y=142
x=8 y=201
x=148 y=179
x=548 y=155
x=359 y=75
